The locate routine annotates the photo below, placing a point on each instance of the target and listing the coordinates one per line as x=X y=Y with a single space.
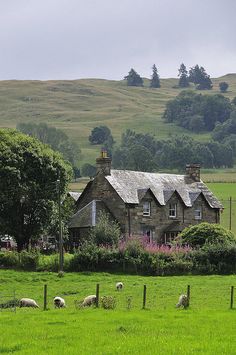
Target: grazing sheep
x=183 y=301
x=59 y=302
x=89 y=300
x=28 y=302
x=119 y=286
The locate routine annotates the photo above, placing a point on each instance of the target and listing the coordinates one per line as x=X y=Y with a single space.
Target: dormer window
x=146 y=208
x=198 y=213
x=173 y=210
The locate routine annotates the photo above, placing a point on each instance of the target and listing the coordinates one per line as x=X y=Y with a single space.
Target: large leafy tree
x=100 y=135
x=188 y=108
x=133 y=78
x=183 y=77
x=223 y=86
x=200 y=78
x=29 y=171
x=155 y=80
x=56 y=138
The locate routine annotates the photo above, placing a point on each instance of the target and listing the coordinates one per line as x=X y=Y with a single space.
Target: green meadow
x=77 y=106
x=207 y=327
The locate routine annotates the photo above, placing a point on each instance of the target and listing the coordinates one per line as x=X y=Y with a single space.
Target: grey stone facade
x=156 y=205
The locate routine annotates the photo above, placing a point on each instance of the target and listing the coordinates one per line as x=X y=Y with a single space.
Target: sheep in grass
x=119 y=286
x=183 y=301
x=89 y=300
x=59 y=302
x=28 y=302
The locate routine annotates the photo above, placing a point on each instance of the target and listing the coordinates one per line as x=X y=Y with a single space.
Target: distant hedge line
x=209 y=260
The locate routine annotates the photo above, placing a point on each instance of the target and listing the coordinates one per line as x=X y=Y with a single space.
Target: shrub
x=223 y=86
x=9 y=259
x=85 y=259
x=206 y=233
x=108 y=302
x=106 y=231
x=29 y=261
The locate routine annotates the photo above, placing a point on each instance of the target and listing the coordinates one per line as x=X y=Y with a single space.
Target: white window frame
x=146 y=208
x=198 y=213
x=172 y=210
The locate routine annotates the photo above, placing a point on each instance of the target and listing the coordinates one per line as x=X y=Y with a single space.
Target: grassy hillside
x=80 y=105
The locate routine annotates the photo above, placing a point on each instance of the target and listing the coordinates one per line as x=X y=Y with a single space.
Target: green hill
x=78 y=106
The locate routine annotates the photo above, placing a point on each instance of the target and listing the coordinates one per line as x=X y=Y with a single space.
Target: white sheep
x=59 y=302
x=183 y=301
x=28 y=302
x=89 y=300
x=119 y=286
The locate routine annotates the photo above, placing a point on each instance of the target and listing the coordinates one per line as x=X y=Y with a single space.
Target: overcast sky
x=73 y=39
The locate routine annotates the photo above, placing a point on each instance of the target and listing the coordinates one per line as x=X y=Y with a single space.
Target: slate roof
x=131 y=186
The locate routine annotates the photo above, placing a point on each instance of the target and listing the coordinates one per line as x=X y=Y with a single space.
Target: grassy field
x=207 y=327
x=77 y=106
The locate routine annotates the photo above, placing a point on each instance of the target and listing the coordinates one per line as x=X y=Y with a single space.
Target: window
x=172 y=210
x=146 y=209
x=198 y=213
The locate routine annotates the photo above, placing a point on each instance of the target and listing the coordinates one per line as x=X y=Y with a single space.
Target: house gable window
x=173 y=210
x=146 y=208
x=198 y=213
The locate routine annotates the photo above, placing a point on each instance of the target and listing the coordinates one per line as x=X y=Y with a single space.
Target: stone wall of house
x=100 y=189
x=131 y=217
x=159 y=220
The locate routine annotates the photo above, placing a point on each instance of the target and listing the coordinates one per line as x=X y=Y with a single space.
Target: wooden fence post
x=45 y=298
x=144 y=296
x=97 y=295
x=230 y=213
x=188 y=294
x=232 y=297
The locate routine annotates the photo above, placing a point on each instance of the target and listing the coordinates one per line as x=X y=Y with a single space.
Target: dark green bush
x=207 y=233
x=106 y=231
x=216 y=259
x=29 y=260
x=9 y=259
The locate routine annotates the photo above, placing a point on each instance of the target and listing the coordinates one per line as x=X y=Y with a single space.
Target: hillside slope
x=80 y=105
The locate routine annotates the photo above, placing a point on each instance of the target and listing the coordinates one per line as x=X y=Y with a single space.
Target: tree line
x=196 y=75
x=144 y=152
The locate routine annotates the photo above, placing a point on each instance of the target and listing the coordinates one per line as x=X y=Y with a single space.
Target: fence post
x=14 y=297
x=45 y=298
x=230 y=213
x=188 y=294
x=97 y=295
x=144 y=296
x=232 y=297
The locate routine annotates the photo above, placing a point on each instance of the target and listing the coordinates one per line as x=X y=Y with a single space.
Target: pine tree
x=155 y=80
x=133 y=78
x=183 y=77
x=200 y=78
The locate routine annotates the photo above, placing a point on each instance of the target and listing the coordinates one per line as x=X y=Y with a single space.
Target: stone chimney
x=193 y=171
x=103 y=163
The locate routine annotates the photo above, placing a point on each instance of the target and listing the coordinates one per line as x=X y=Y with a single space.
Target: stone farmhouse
x=156 y=205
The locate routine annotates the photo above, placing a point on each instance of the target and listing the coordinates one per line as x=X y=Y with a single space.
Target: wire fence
x=228 y=216
x=134 y=297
